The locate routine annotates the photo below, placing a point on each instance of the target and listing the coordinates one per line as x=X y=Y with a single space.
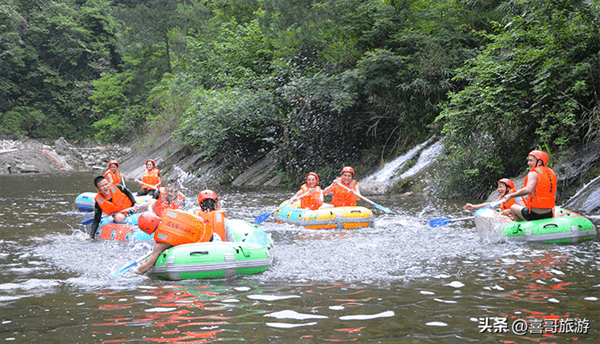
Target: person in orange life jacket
x=540 y=188
x=505 y=186
x=112 y=174
x=167 y=198
x=111 y=200
x=314 y=199
x=151 y=177
x=210 y=211
x=342 y=197
x=150 y=222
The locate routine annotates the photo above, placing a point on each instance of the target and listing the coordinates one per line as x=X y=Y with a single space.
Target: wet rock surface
x=31 y=156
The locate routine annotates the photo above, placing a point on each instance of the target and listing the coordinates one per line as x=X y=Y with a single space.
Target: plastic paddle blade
x=439 y=222
x=88 y=221
x=382 y=208
x=124 y=269
x=261 y=218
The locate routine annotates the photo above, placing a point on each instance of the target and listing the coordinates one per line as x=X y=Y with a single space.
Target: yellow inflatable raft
x=328 y=218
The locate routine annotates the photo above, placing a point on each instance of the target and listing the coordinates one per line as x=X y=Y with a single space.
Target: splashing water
x=489 y=226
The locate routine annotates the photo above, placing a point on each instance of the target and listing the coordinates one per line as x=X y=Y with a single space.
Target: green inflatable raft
x=247 y=251
x=566 y=227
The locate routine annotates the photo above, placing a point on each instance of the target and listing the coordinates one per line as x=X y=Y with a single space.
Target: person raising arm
x=505 y=186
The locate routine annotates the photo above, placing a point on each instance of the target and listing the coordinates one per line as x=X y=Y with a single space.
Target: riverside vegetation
x=314 y=84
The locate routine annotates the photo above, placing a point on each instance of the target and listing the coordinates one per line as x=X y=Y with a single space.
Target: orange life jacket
x=544 y=196
x=215 y=219
x=116 y=177
x=119 y=201
x=509 y=203
x=179 y=228
x=311 y=201
x=151 y=178
x=342 y=197
x=162 y=204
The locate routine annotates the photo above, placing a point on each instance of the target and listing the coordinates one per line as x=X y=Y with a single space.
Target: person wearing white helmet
x=540 y=188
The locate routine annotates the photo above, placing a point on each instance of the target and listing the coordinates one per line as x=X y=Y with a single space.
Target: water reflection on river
x=399 y=282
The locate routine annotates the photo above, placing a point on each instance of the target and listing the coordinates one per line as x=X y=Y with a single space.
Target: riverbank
x=578 y=182
x=31 y=156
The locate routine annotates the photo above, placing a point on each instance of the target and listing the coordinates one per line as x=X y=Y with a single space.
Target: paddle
x=263 y=217
x=380 y=207
x=91 y=219
x=490 y=206
x=148 y=185
x=443 y=221
x=127 y=267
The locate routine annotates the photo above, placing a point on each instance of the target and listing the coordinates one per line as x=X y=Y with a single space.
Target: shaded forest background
x=321 y=84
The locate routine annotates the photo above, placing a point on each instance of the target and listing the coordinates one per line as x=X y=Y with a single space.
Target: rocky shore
x=31 y=156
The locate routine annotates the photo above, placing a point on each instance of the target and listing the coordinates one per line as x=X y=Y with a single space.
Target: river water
x=399 y=282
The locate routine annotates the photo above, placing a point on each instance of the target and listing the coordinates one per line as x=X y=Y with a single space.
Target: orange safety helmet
x=312 y=174
x=148 y=222
x=152 y=161
x=207 y=194
x=113 y=162
x=538 y=154
x=508 y=183
x=348 y=169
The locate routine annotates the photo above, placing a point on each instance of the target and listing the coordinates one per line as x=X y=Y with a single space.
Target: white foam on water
x=444 y=301
x=146 y=297
x=288 y=314
x=386 y=314
x=160 y=309
x=455 y=284
x=30 y=285
x=230 y=301
x=272 y=297
x=286 y=325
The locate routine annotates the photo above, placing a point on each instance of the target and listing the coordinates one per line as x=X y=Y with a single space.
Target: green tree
x=535 y=86
x=57 y=49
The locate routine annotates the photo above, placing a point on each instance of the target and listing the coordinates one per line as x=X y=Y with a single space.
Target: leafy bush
x=533 y=87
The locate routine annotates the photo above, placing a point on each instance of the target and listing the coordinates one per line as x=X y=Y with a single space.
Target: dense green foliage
x=535 y=86
x=50 y=54
x=322 y=84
